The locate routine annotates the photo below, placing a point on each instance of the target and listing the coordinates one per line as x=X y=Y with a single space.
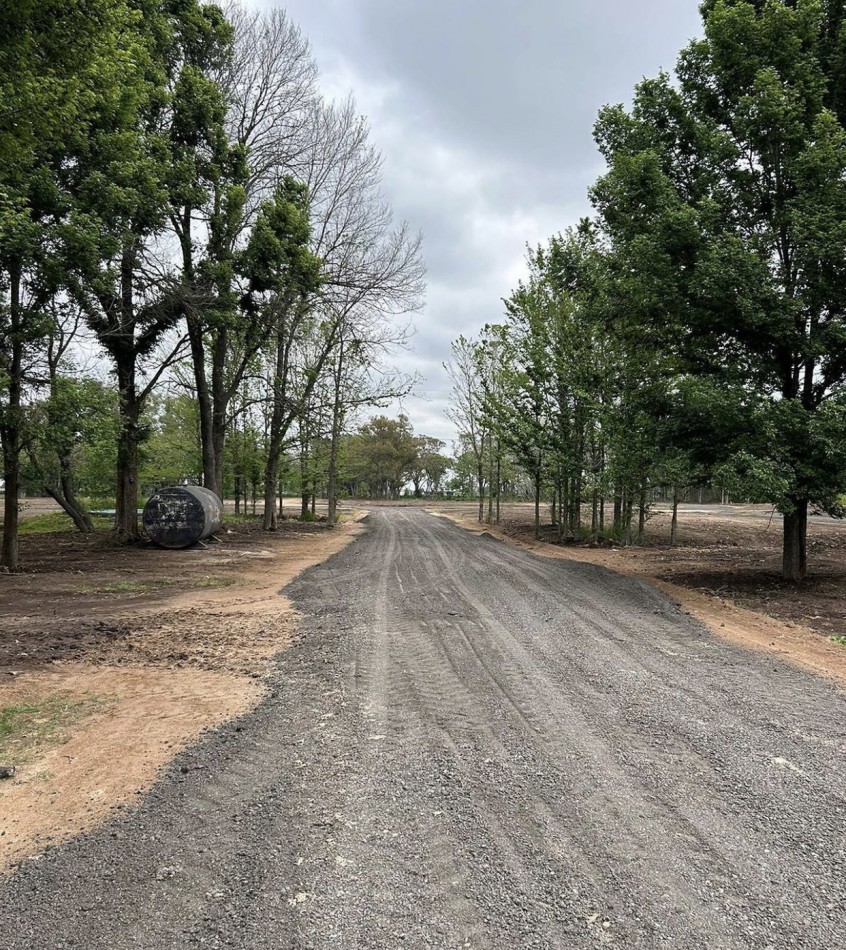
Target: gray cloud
x=484 y=110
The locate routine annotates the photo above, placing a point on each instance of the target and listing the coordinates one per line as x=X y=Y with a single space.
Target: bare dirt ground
x=471 y=746
x=114 y=658
x=724 y=568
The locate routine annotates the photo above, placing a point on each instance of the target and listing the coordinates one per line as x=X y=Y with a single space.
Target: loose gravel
x=471 y=746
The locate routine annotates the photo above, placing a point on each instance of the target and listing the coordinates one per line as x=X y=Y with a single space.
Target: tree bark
x=641 y=519
x=674 y=524
x=794 y=565
x=65 y=496
x=12 y=425
x=537 y=504
x=198 y=359
x=126 y=496
x=480 y=481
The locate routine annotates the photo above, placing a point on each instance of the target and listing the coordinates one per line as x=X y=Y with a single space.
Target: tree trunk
x=794 y=558
x=618 y=507
x=674 y=524
x=594 y=516
x=11 y=476
x=498 y=479
x=65 y=496
x=11 y=432
x=126 y=500
x=641 y=519
x=221 y=396
x=275 y=435
x=332 y=473
x=537 y=504
x=628 y=509
x=198 y=359
x=480 y=480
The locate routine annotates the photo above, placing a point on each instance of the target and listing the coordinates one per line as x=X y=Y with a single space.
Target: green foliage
x=171 y=451
x=27 y=726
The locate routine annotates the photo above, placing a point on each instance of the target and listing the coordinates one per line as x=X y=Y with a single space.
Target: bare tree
x=467 y=407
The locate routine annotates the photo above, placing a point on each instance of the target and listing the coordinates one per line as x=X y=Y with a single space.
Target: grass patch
x=841 y=641
x=240 y=519
x=213 y=583
x=132 y=587
x=57 y=522
x=25 y=728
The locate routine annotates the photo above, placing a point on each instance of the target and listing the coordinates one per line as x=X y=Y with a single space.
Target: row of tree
x=695 y=328
x=382 y=458
x=181 y=208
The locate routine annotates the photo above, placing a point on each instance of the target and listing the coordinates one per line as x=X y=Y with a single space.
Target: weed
x=841 y=641
x=132 y=587
x=57 y=522
x=213 y=583
x=22 y=728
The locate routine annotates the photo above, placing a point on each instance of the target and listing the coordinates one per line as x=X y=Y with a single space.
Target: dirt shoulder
x=113 y=659
x=723 y=571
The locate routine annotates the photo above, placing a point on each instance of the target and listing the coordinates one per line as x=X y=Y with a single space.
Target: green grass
x=229 y=518
x=22 y=728
x=132 y=587
x=55 y=522
x=148 y=586
x=841 y=641
x=213 y=583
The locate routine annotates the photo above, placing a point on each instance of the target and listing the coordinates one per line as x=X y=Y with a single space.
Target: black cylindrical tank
x=182 y=515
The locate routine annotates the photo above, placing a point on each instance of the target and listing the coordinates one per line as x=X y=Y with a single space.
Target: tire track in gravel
x=474 y=747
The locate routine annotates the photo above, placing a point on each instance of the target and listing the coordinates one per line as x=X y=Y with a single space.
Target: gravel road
x=472 y=746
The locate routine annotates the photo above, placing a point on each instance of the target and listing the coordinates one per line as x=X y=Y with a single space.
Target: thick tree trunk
x=65 y=495
x=674 y=524
x=12 y=426
x=794 y=565
x=594 y=516
x=198 y=359
x=628 y=510
x=537 y=504
x=11 y=477
x=332 y=473
x=126 y=500
x=618 y=507
x=498 y=481
x=641 y=518
x=221 y=396
x=275 y=435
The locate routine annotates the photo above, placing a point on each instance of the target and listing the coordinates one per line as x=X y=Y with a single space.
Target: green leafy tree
x=61 y=66
x=726 y=201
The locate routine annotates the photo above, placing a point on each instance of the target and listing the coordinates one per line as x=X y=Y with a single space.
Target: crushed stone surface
x=474 y=747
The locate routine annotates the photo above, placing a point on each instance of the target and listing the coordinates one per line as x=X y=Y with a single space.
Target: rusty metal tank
x=181 y=515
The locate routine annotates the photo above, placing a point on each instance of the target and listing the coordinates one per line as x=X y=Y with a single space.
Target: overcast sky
x=484 y=111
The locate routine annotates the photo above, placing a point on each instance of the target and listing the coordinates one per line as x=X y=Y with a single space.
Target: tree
x=121 y=195
x=466 y=409
x=62 y=68
x=382 y=455
x=283 y=276
x=726 y=199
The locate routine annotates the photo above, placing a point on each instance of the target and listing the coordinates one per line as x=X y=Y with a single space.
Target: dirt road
x=475 y=747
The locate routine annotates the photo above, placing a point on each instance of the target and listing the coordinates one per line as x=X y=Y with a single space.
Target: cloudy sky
x=484 y=111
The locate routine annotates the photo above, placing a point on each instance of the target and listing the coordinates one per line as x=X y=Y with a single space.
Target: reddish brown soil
x=161 y=644
x=90 y=598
